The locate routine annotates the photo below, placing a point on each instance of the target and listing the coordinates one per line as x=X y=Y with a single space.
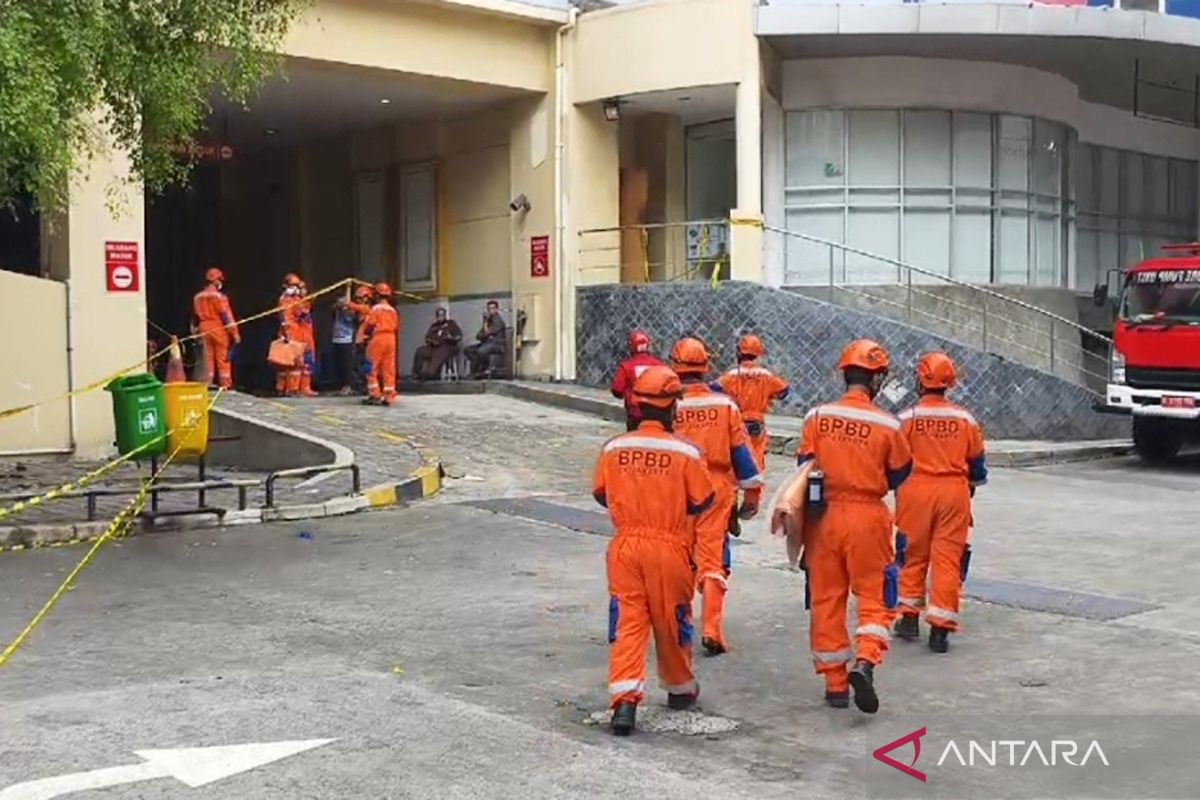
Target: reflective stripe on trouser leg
x=949 y=541
x=828 y=586
x=667 y=572
x=711 y=543
x=942 y=617
x=869 y=555
x=628 y=623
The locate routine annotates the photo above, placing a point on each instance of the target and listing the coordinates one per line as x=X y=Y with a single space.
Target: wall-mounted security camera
x=519 y=204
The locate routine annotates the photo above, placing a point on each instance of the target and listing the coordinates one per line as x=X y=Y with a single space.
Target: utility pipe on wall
x=560 y=207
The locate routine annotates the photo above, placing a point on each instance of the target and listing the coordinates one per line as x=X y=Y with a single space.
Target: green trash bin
x=138 y=415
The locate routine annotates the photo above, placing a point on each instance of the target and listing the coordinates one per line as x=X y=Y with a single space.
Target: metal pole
x=1052 y=344
x=200 y=495
x=908 y=300
x=153 y=484
x=831 y=273
x=983 y=345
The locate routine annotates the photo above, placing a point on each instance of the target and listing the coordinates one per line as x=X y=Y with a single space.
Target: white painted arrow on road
x=194 y=766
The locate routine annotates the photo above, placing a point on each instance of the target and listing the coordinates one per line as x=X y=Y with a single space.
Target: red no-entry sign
x=121 y=269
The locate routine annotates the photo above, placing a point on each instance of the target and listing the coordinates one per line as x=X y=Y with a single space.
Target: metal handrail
x=308 y=472
x=911 y=268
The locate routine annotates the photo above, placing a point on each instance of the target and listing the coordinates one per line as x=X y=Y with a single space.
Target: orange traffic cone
x=175 y=371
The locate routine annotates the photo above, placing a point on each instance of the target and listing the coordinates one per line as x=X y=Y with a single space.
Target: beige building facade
x=466 y=150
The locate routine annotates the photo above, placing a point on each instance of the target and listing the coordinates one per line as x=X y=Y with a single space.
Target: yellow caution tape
x=116 y=528
x=91 y=387
x=80 y=482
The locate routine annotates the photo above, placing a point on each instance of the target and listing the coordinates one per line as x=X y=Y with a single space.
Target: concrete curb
x=785 y=444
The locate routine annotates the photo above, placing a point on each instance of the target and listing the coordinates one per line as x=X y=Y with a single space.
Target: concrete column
x=745 y=236
x=107 y=328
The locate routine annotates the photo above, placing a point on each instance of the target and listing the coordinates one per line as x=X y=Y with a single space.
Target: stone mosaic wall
x=804 y=338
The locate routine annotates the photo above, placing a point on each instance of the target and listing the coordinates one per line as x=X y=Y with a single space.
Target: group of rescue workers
x=293 y=353
x=671 y=482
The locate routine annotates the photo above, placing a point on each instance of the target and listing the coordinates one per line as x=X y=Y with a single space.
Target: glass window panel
x=973 y=149
x=927 y=242
x=1046 y=248
x=1048 y=148
x=972 y=246
x=1013 y=172
x=1109 y=181
x=418 y=231
x=876 y=232
x=1013 y=247
x=1085 y=174
x=874 y=148
x=1158 y=189
x=1133 y=196
x=369 y=225
x=1183 y=191
x=1108 y=253
x=926 y=148
x=1087 y=260
x=816 y=148
x=1133 y=249
x=808 y=262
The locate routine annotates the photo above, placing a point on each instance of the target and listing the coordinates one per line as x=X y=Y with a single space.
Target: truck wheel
x=1154 y=441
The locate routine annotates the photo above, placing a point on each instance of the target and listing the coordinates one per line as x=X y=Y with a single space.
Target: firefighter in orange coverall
x=754 y=387
x=382 y=331
x=712 y=421
x=291 y=382
x=307 y=335
x=933 y=508
x=848 y=536
x=653 y=485
x=214 y=321
x=364 y=298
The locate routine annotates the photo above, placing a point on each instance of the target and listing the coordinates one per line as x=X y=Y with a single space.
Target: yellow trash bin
x=186 y=411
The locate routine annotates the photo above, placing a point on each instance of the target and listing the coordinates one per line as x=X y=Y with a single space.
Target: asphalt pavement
x=456 y=648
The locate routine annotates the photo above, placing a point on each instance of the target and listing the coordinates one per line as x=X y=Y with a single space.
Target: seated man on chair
x=442 y=341
x=490 y=341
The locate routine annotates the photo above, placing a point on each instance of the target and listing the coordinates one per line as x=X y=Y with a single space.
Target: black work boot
x=623 y=719
x=862 y=678
x=908 y=627
x=712 y=647
x=838 y=699
x=682 y=702
x=939 y=639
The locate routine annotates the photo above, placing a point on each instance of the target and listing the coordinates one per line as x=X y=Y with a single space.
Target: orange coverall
x=652 y=484
x=211 y=308
x=849 y=544
x=288 y=381
x=711 y=420
x=382 y=331
x=933 y=508
x=754 y=387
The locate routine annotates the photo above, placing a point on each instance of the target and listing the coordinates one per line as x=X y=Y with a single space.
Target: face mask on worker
x=291 y=291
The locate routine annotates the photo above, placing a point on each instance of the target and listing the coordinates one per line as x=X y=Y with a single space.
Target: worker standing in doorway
x=860 y=455
x=933 y=508
x=711 y=421
x=754 y=387
x=213 y=319
x=627 y=374
x=382 y=332
x=653 y=484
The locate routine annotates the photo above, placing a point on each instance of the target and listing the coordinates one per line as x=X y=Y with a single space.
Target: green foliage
x=143 y=68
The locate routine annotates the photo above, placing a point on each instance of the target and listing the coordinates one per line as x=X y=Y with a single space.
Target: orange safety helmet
x=936 y=371
x=658 y=387
x=639 y=342
x=214 y=275
x=292 y=279
x=688 y=356
x=383 y=290
x=864 y=354
x=362 y=292
x=751 y=345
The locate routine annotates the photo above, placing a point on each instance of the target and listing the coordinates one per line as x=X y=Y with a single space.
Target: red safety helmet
x=936 y=371
x=689 y=357
x=639 y=342
x=658 y=387
x=864 y=354
x=751 y=345
x=214 y=275
x=383 y=290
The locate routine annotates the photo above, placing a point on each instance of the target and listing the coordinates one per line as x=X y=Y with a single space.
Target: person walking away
x=345 y=323
x=382 y=331
x=490 y=341
x=214 y=322
x=627 y=374
x=933 y=507
x=754 y=387
x=711 y=420
x=653 y=485
x=860 y=455
x=364 y=298
x=441 y=344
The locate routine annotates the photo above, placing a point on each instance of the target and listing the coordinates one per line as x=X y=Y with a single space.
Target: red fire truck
x=1154 y=373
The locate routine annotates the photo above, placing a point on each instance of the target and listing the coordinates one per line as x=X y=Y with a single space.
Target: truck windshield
x=1171 y=295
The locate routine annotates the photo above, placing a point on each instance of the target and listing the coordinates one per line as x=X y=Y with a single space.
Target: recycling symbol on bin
x=148 y=421
x=191 y=419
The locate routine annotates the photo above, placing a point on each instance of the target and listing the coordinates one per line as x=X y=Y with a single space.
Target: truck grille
x=1145 y=378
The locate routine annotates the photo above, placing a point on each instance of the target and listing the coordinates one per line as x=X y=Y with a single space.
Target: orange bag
x=284 y=354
